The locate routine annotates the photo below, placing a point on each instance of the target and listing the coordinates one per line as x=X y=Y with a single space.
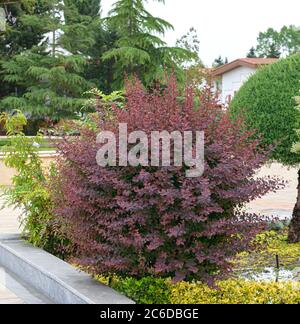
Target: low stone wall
x=53 y=278
x=6 y=173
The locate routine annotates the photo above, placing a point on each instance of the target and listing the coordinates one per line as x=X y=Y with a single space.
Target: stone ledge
x=52 y=277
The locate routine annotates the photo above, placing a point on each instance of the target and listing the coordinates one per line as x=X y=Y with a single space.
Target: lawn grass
x=46 y=144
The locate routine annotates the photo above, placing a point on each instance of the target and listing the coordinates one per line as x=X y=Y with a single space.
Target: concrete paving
x=6 y=296
x=9 y=224
x=9 y=219
x=281 y=203
x=50 y=276
x=12 y=291
x=57 y=280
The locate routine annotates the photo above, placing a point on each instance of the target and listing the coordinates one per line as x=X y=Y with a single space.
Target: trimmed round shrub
x=267 y=101
x=154 y=221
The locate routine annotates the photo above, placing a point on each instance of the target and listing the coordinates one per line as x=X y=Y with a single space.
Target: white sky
x=225 y=27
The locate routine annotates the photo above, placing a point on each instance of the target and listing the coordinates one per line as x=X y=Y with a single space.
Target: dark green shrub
x=147 y=290
x=267 y=101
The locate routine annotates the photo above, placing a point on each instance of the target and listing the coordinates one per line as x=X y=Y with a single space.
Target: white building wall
x=233 y=80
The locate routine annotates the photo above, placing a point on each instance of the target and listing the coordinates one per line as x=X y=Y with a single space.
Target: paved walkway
x=281 y=203
x=12 y=291
x=9 y=219
x=6 y=296
x=9 y=224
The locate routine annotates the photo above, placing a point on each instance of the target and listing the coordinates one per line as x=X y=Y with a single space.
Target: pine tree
x=252 y=53
x=48 y=79
x=138 y=49
x=98 y=71
x=24 y=30
x=27 y=31
x=89 y=8
x=81 y=25
x=220 y=61
x=46 y=86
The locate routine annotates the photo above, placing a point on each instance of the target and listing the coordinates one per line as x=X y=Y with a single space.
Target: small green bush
x=267 y=100
x=30 y=187
x=148 y=290
x=151 y=290
x=44 y=144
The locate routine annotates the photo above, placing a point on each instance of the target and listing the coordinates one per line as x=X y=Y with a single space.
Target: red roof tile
x=249 y=62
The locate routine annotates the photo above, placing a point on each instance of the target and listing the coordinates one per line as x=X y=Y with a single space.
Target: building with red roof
x=229 y=78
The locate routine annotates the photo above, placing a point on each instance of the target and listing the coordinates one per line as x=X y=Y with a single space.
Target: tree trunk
x=294 y=229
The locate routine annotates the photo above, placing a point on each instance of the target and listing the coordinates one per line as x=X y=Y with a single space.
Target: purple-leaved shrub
x=154 y=221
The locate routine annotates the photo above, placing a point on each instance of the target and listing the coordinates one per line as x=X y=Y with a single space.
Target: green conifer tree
x=138 y=49
x=89 y=8
x=220 y=61
x=24 y=30
x=252 y=53
x=48 y=79
x=98 y=71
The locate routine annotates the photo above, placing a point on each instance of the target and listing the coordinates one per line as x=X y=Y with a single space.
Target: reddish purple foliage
x=155 y=221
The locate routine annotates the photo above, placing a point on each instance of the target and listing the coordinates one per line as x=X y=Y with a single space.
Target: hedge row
x=268 y=102
x=159 y=291
x=236 y=292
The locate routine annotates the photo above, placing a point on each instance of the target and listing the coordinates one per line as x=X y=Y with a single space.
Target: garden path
x=281 y=203
x=9 y=225
x=6 y=296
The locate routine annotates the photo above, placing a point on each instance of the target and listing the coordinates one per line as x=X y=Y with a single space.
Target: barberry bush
x=154 y=221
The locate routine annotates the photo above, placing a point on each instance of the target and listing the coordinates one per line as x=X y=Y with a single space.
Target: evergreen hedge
x=267 y=100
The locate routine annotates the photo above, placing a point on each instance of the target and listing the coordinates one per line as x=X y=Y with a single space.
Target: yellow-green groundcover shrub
x=151 y=290
x=160 y=291
x=236 y=292
x=269 y=245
